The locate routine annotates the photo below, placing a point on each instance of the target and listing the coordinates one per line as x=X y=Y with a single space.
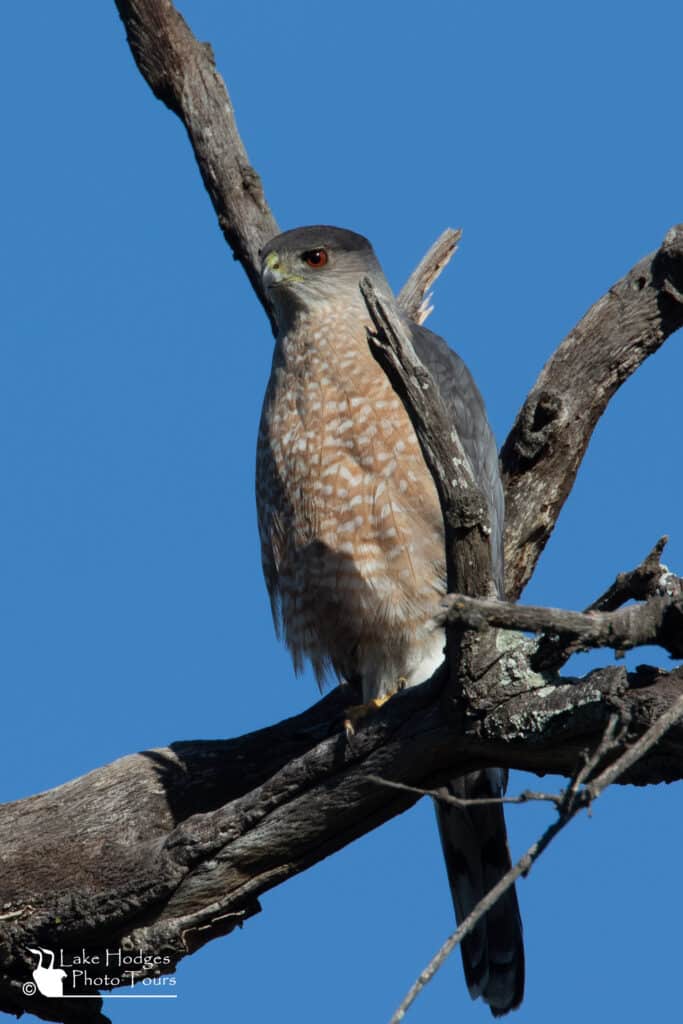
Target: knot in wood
x=468 y=511
x=252 y=184
x=538 y=426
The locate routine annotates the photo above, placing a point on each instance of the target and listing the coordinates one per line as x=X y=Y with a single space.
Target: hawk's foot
x=357 y=712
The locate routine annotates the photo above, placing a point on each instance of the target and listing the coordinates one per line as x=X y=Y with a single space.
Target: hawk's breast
x=350 y=523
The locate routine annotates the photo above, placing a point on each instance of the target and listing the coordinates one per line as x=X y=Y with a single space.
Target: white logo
x=49 y=980
x=107 y=968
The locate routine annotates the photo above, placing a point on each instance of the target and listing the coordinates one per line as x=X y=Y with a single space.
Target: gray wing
x=463 y=400
x=474 y=838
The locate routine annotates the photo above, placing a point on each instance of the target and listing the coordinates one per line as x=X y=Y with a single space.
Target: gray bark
x=167 y=849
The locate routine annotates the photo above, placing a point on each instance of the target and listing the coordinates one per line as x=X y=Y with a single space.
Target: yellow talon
x=357 y=712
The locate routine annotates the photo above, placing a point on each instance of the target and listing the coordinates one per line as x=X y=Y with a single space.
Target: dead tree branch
x=658 y=621
x=167 y=849
x=181 y=73
x=648 y=579
x=413 y=297
x=463 y=508
x=548 y=440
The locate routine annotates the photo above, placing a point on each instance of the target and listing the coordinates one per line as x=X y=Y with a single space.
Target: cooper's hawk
x=352 y=534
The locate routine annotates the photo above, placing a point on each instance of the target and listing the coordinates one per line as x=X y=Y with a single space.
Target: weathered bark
x=169 y=848
x=413 y=297
x=548 y=440
x=181 y=72
x=659 y=621
x=463 y=507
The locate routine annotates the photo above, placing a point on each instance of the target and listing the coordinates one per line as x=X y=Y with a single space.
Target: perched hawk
x=352 y=534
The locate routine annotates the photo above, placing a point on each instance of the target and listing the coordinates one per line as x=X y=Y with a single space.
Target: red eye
x=315 y=258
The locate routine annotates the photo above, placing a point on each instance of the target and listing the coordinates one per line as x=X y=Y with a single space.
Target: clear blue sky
x=133 y=361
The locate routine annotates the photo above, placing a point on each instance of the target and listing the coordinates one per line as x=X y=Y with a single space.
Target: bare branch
x=545 y=447
x=591 y=761
x=413 y=298
x=173 y=847
x=636 y=750
x=658 y=621
x=181 y=73
x=648 y=579
x=462 y=506
x=575 y=799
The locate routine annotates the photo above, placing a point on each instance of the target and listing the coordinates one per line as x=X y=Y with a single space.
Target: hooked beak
x=275 y=274
x=272 y=271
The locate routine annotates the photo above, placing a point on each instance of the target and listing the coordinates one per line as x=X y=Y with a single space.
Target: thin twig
x=590 y=762
x=575 y=799
x=447 y=798
x=522 y=867
x=16 y=913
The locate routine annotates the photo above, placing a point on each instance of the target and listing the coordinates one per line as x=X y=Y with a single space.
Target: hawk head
x=305 y=267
